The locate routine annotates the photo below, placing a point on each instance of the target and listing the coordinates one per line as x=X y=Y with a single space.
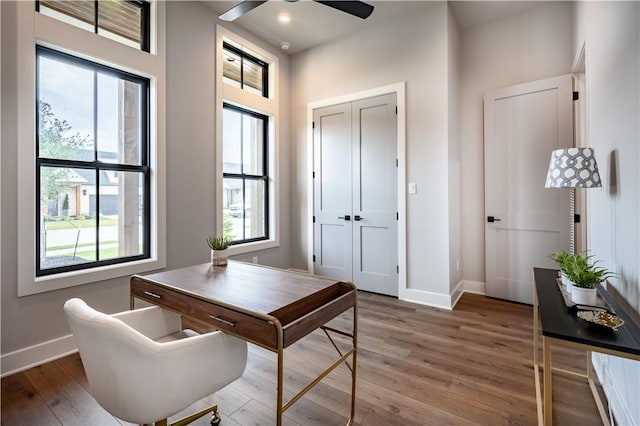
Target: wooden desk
x=269 y=307
x=560 y=326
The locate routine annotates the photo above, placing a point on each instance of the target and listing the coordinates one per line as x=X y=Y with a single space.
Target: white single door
x=524 y=221
x=355 y=193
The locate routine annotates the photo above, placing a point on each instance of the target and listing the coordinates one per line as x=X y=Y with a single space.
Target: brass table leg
x=279 y=409
x=354 y=363
x=548 y=410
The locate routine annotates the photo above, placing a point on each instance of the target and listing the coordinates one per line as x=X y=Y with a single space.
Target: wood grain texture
x=249 y=300
x=416 y=366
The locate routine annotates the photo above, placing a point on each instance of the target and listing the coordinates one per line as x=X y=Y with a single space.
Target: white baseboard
x=475 y=287
x=32 y=356
x=435 y=300
x=443 y=301
x=457 y=293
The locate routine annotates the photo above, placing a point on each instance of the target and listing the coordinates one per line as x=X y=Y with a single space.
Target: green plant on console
x=563 y=259
x=586 y=274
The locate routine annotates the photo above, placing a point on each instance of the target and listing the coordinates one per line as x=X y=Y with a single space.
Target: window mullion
x=95 y=116
x=95 y=17
x=242 y=72
x=97 y=214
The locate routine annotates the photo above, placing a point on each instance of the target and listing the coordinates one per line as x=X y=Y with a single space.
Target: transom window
x=243 y=70
x=126 y=21
x=92 y=164
x=245 y=174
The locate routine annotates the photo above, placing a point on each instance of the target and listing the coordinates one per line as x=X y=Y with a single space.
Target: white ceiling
x=313 y=24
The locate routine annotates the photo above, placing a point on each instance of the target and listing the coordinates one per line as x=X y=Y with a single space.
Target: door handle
x=345 y=217
x=357 y=217
x=492 y=219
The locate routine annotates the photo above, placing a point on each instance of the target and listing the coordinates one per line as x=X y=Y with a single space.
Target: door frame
x=581 y=140
x=399 y=90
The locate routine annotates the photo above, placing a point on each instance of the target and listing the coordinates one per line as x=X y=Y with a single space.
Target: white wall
x=28 y=323
x=34 y=328
x=455 y=214
x=412 y=49
x=610 y=32
x=529 y=46
x=191 y=44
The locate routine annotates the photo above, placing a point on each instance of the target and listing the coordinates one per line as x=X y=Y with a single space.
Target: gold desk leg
x=279 y=409
x=546 y=353
x=354 y=363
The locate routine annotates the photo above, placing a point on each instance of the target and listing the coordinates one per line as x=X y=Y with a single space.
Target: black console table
x=561 y=326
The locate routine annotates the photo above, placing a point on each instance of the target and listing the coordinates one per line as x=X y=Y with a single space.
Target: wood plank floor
x=416 y=366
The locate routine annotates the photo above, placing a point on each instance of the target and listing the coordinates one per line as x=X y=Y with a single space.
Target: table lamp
x=573 y=168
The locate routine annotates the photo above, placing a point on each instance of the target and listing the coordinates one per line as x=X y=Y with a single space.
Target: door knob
x=345 y=217
x=492 y=219
x=357 y=217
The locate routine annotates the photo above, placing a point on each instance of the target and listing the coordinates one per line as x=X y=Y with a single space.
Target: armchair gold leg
x=215 y=417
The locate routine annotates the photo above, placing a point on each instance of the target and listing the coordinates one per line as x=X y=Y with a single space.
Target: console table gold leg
x=546 y=353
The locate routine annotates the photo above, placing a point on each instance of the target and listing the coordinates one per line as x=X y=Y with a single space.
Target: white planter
x=219 y=257
x=584 y=296
x=566 y=282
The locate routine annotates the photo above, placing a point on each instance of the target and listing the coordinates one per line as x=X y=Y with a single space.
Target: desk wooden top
x=284 y=294
x=559 y=322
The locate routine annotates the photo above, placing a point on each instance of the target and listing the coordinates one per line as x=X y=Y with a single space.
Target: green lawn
x=109 y=253
x=70 y=246
x=55 y=225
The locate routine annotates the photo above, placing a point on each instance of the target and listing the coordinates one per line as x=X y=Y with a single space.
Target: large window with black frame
x=245 y=174
x=92 y=164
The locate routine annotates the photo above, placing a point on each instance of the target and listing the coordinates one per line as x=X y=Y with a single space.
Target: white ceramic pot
x=584 y=296
x=566 y=282
x=219 y=257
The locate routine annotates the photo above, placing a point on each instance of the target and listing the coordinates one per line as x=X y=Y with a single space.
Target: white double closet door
x=355 y=193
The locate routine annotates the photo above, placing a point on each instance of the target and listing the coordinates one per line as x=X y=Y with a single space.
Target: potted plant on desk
x=218 y=246
x=585 y=275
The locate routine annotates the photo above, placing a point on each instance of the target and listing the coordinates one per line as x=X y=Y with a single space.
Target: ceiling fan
x=355 y=8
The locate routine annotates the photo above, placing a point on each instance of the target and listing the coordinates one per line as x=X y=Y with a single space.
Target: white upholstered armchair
x=143 y=368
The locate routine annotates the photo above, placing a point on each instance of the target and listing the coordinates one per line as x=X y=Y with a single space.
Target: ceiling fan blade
x=240 y=9
x=355 y=8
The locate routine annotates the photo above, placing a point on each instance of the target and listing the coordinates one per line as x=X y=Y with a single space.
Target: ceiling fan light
x=284 y=18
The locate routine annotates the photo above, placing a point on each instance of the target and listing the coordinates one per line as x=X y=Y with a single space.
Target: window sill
x=30 y=286
x=251 y=247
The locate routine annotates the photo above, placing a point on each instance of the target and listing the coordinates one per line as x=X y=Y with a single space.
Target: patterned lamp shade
x=573 y=168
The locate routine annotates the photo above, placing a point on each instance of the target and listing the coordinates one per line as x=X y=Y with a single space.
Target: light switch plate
x=413 y=188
